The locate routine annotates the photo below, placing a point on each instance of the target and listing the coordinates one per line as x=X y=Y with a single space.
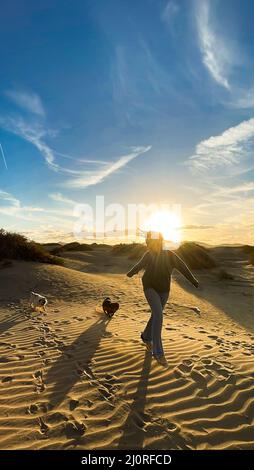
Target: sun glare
x=167 y=223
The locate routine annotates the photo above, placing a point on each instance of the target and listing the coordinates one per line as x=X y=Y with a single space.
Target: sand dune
x=71 y=379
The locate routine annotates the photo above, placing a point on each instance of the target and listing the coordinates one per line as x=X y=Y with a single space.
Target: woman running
x=158 y=265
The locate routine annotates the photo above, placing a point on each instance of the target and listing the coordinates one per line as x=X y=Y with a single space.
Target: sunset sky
x=148 y=101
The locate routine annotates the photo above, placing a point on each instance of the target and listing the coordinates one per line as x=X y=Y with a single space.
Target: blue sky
x=142 y=102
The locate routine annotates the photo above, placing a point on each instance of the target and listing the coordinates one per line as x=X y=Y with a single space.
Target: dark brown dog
x=109 y=308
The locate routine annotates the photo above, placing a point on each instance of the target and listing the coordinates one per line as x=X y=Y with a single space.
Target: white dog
x=38 y=302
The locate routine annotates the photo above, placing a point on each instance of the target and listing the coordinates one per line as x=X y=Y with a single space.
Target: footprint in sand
x=169 y=426
x=107 y=395
x=39 y=383
x=198 y=377
x=217 y=369
x=33 y=409
x=207 y=362
x=41 y=353
x=56 y=418
x=38 y=374
x=73 y=404
x=179 y=374
x=36 y=408
x=108 y=334
x=195 y=357
x=185 y=367
x=74 y=429
x=43 y=426
x=7 y=379
x=5 y=359
x=110 y=378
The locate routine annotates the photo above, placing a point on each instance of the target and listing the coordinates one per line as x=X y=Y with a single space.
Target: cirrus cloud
x=225 y=149
x=27 y=100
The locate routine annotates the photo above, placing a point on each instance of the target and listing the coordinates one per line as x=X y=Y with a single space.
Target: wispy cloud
x=243 y=188
x=226 y=192
x=11 y=206
x=36 y=135
x=33 y=133
x=169 y=12
x=92 y=178
x=226 y=149
x=4 y=196
x=27 y=100
x=243 y=99
x=3 y=156
x=58 y=197
x=217 y=57
x=81 y=160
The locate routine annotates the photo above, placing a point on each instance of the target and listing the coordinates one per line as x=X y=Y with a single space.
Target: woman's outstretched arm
x=138 y=266
x=180 y=265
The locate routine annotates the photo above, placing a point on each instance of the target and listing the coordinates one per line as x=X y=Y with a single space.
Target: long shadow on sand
x=224 y=296
x=132 y=431
x=8 y=323
x=78 y=355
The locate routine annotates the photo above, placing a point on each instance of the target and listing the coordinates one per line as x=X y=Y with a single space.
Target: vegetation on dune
x=100 y=245
x=251 y=259
x=73 y=246
x=16 y=246
x=196 y=256
x=132 y=250
x=249 y=250
x=51 y=246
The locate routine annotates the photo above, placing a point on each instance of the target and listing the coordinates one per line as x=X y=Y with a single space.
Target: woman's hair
x=154 y=240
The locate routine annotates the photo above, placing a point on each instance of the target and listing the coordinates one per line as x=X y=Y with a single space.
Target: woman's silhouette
x=158 y=264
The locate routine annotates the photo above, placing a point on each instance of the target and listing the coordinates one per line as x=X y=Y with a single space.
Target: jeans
x=152 y=331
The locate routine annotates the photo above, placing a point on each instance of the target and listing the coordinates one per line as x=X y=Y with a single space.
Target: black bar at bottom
x=125 y=458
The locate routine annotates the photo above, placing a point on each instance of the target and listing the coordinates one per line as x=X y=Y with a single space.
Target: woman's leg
x=164 y=297
x=147 y=333
x=153 y=328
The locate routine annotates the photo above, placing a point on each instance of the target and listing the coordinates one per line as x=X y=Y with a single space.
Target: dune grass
x=72 y=246
x=17 y=246
x=249 y=250
x=196 y=256
x=131 y=250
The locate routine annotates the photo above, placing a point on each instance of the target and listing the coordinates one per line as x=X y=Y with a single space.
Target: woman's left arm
x=180 y=265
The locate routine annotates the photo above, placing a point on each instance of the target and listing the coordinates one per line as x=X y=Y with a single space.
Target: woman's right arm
x=138 y=266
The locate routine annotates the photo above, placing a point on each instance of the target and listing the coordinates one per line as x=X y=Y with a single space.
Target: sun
x=167 y=223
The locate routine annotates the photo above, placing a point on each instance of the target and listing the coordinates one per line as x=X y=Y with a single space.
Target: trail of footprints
x=197 y=370
x=45 y=410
